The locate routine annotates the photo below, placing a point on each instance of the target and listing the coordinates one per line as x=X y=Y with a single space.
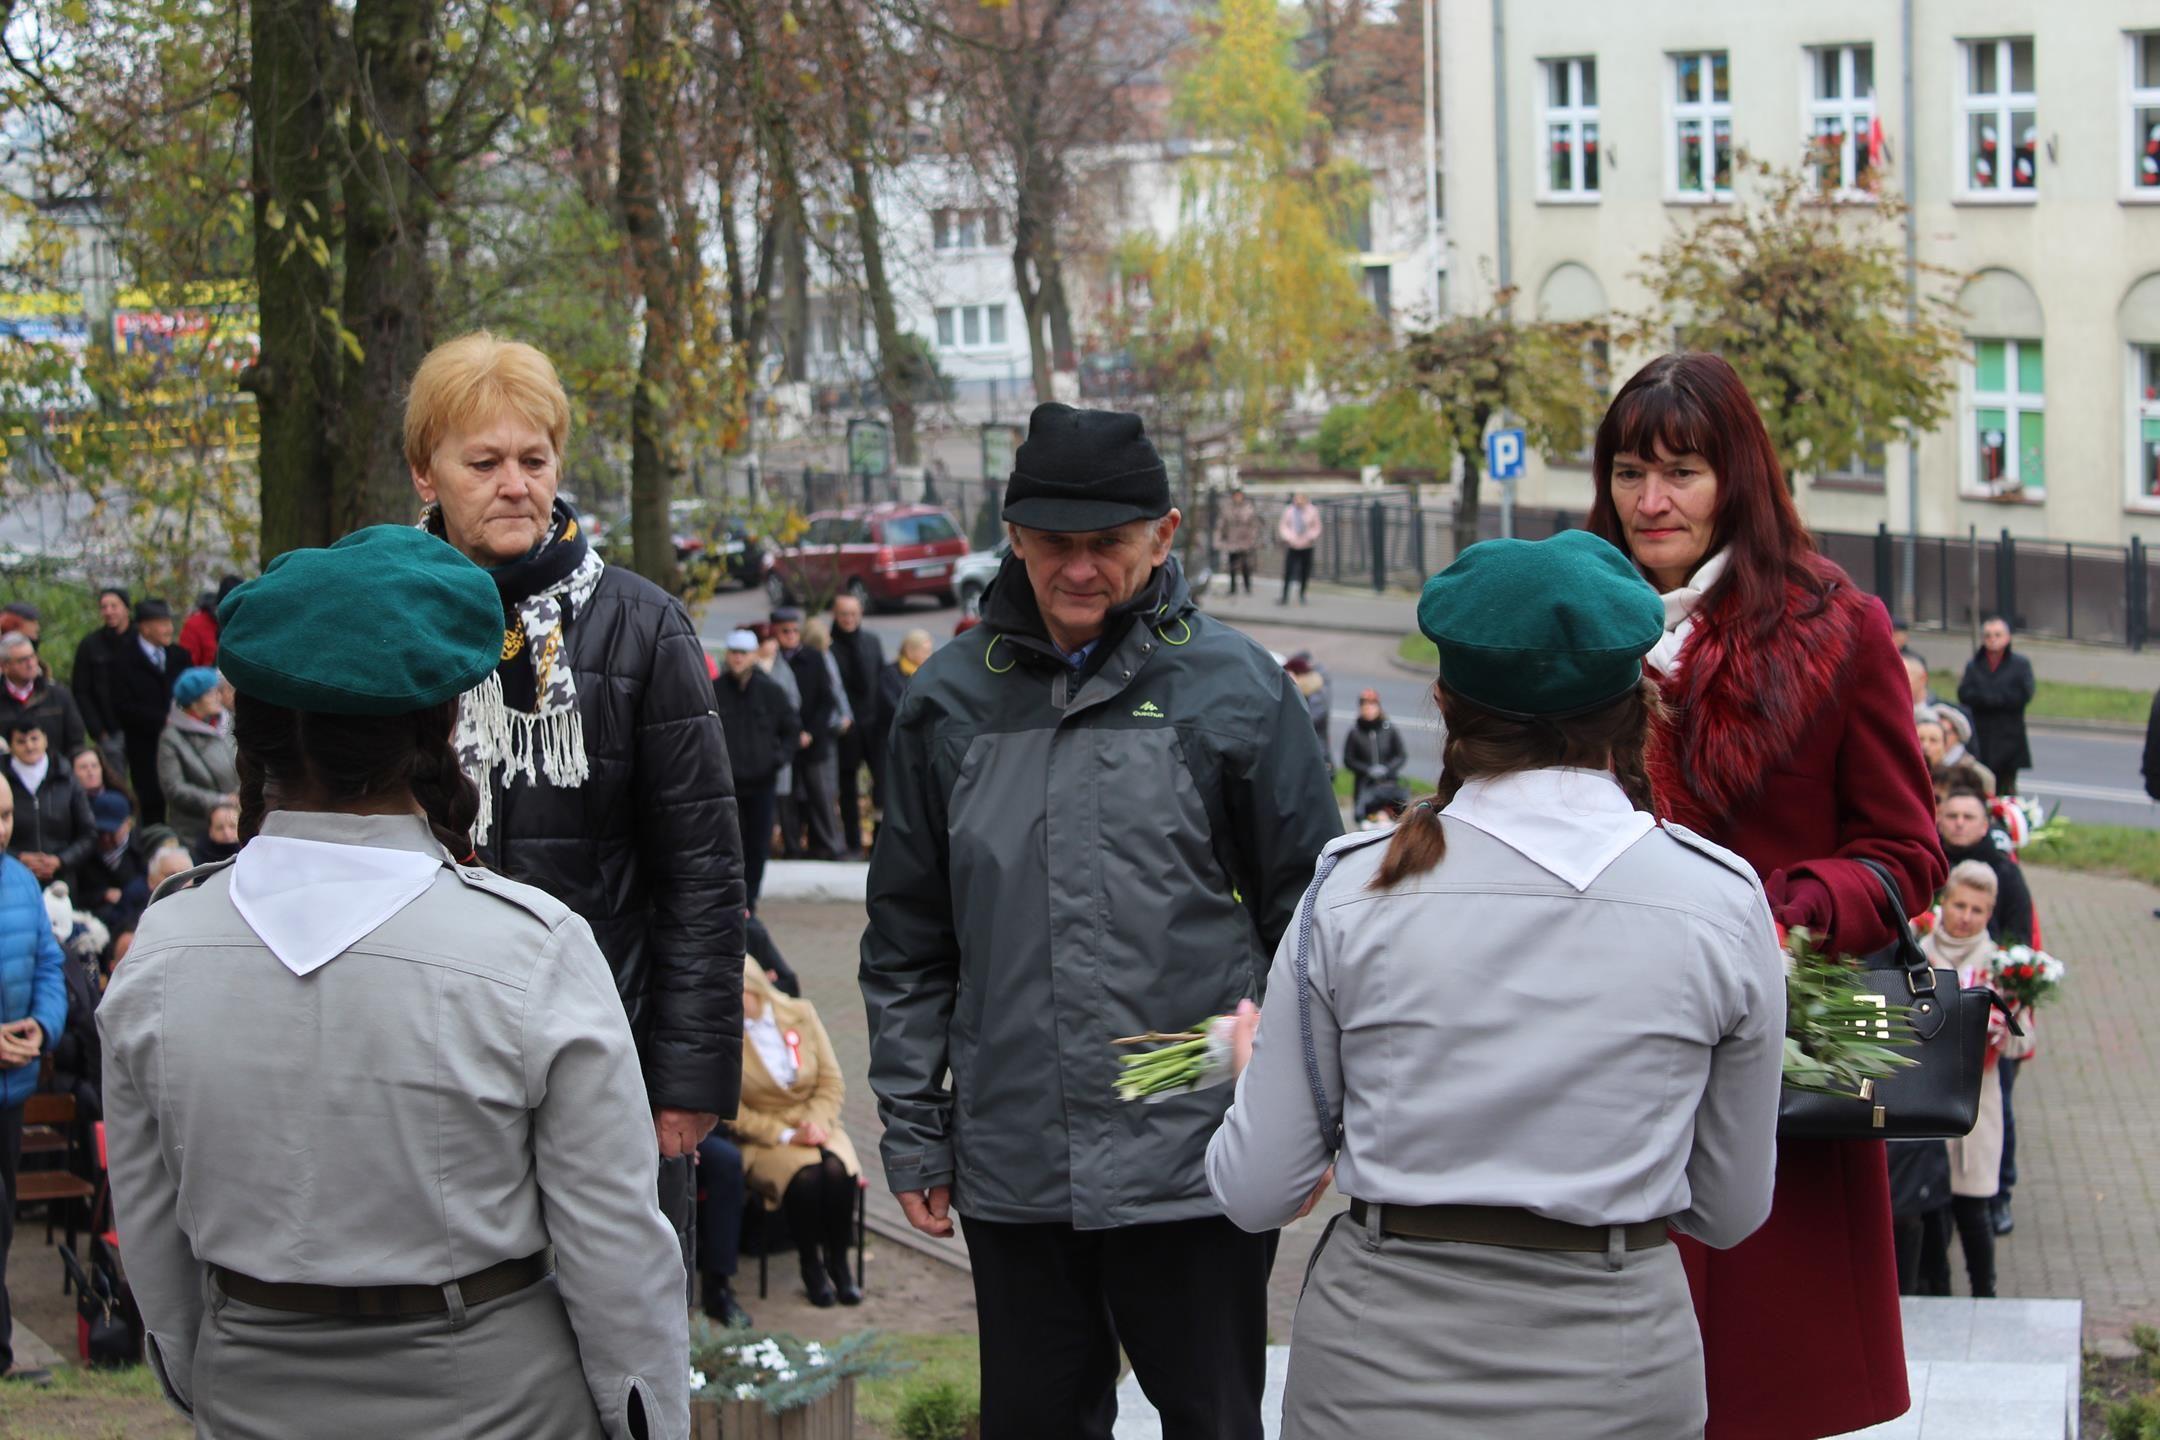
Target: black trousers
x=10 y=1161
x=857 y=751
x=1186 y=1300
x=678 y=1203
x=754 y=814
x=2006 y=780
x=1296 y=570
x=1976 y=1237
x=2007 y=1176
x=722 y=1191
x=1923 y=1252
x=1237 y=564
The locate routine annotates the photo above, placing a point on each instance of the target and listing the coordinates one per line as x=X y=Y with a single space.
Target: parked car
x=880 y=554
x=972 y=575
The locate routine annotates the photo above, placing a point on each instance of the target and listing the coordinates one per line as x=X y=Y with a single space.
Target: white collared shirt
x=1573 y=823
x=764 y=1035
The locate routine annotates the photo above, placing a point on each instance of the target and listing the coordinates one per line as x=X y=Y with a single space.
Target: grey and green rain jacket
x=1067 y=857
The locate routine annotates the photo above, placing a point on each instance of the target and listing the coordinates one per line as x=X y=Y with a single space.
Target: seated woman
x=795 y=1154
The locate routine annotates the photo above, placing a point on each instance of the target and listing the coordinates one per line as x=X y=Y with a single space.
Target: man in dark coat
x=96 y=657
x=28 y=693
x=814 y=827
x=602 y=767
x=860 y=657
x=140 y=689
x=1997 y=686
x=115 y=877
x=1101 y=811
x=2151 y=767
x=762 y=733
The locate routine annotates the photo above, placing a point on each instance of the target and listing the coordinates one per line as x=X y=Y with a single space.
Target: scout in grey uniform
x=1542 y=1028
x=363 y=1096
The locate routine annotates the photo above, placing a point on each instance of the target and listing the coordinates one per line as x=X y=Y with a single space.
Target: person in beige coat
x=1961 y=943
x=795 y=1153
x=381 y=1151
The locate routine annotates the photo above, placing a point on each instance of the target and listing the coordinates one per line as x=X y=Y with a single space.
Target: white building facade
x=2033 y=152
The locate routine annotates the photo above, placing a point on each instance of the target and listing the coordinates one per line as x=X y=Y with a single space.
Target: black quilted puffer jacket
x=647 y=850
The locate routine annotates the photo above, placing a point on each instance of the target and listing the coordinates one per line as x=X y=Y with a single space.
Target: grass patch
x=1345 y=782
x=954 y=1359
x=2103 y=850
x=84 y=1404
x=1419 y=651
x=2055 y=700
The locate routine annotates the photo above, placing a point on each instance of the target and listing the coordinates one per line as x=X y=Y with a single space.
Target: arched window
x=2004 y=449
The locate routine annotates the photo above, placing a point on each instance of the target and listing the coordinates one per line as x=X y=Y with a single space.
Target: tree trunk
x=294 y=376
x=1028 y=280
x=1466 y=506
x=794 y=290
x=652 y=548
x=895 y=377
x=1063 y=352
x=389 y=283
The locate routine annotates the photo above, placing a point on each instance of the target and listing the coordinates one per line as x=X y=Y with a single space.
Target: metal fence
x=2053 y=589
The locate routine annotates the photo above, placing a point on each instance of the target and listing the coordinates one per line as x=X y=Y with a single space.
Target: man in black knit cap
x=1101 y=810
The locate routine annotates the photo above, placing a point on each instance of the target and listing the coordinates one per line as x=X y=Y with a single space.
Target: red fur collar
x=1742 y=702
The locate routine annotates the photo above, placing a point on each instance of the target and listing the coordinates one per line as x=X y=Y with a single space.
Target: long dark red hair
x=1694 y=403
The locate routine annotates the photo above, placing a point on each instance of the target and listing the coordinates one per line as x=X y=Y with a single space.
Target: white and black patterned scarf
x=543 y=594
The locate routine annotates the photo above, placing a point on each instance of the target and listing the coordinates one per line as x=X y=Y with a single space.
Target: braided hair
x=348 y=759
x=1482 y=745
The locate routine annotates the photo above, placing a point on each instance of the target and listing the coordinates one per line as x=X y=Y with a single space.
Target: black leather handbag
x=1938 y=1096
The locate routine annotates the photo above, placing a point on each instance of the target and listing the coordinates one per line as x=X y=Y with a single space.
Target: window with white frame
x=2005 y=419
x=1869 y=467
x=2145 y=113
x=1999 y=129
x=1844 y=136
x=2145 y=423
x=1701 y=133
x=966 y=229
x=1571 y=128
x=970 y=327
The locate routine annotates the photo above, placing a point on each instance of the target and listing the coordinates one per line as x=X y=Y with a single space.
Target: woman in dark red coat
x=1791 y=741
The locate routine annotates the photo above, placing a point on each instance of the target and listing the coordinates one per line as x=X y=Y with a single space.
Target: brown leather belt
x=1505 y=1225
x=387 y=1302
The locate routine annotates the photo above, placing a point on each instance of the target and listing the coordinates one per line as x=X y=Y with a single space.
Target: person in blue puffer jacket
x=33 y=1011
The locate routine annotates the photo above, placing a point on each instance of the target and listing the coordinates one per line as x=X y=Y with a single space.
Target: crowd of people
x=468 y=771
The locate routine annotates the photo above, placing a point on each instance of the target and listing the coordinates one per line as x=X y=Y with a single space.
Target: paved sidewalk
x=2088 y=1205
x=1359 y=611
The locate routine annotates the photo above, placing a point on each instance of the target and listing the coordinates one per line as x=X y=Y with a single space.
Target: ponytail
x=343 y=759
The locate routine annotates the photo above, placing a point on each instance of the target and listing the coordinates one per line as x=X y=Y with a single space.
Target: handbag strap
x=1920 y=974
x=1330 y=1132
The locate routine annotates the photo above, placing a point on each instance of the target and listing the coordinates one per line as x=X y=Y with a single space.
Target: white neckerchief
x=311 y=900
x=1680 y=608
x=32 y=776
x=771 y=1046
x=1574 y=823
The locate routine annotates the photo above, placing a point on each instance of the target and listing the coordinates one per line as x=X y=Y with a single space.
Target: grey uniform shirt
x=1489 y=1033
x=457 y=1088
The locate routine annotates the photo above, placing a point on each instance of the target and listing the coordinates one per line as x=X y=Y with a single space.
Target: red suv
x=880 y=554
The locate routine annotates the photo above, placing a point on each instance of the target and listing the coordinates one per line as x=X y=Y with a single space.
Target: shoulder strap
x=1330 y=1132
x=189 y=879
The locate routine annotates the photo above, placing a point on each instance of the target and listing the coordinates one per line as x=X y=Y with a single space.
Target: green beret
x=386 y=621
x=1541 y=628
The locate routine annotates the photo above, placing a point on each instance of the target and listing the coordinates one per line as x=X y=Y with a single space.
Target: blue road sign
x=1504 y=454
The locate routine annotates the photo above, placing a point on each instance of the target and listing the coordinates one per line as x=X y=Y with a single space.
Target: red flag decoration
x=1875 y=143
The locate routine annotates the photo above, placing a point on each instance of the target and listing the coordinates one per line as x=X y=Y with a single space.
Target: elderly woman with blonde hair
x=599 y=759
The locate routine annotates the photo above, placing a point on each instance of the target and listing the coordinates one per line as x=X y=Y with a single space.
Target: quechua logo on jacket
x=1149 y=711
